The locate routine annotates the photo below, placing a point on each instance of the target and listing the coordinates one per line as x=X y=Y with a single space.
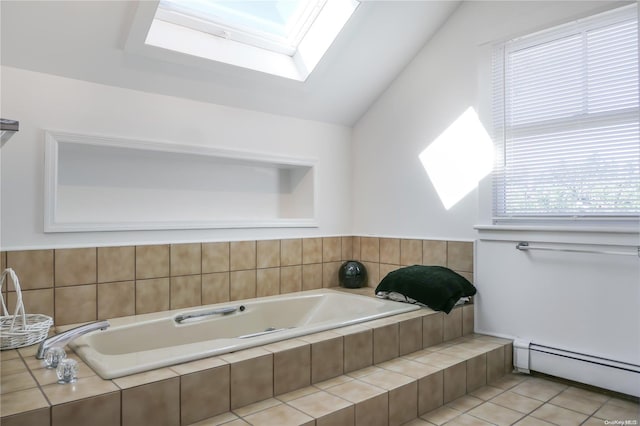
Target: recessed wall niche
x=95 y=183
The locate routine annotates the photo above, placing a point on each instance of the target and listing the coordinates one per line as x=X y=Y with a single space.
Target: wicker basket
x=20 y=329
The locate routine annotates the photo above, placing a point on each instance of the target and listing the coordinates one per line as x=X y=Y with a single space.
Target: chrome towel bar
x=524 y=246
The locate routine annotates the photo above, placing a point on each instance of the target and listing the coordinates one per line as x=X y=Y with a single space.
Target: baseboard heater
x=592 y=370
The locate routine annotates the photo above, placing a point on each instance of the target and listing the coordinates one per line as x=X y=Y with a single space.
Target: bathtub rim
x=102 y=364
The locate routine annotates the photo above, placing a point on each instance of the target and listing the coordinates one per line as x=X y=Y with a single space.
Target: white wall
x=46 y=102
x=392 y=192
x=581 y=302
x=587 y=303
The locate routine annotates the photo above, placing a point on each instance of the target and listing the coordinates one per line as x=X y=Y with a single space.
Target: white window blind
x=566 y=122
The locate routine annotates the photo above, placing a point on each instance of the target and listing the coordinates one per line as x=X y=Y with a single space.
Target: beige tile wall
x=84 y=284
x=383 y=255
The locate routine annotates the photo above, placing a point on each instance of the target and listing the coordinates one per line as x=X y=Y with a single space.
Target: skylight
x=281 y=37
x=278 y=26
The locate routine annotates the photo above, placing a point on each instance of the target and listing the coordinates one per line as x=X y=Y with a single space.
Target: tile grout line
x=135 y=282
x=53 y=281
x=38 y=385
x=95 y=254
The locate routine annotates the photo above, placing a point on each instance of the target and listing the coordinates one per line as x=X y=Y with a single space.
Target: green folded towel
x=435 y=286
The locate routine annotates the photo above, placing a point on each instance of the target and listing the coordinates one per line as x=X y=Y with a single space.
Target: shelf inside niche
x=108 y=184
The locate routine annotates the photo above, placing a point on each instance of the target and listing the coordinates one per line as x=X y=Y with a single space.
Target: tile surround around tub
x=152 y=261
x=328 y=347
x=215 y=257
x=34 y=268
x=410 y=252
x=152 y=295
x=268 y=254
x=116 y=299
x=311 y=250
x=291 y=365
x=390 y=393
x=242 y=255
x=103 y=410
x=332 y=249
x=251 y=376
x=185 y=259
x=116 y=264
x=86 y=284
x=75 y=266
x=155 y=403
x=390 y=251
x=197 y=405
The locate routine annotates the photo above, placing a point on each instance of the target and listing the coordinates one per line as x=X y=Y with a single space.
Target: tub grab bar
x=262 y=333
x=222 y=311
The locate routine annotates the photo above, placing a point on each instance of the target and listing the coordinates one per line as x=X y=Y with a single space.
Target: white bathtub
x=144 y=342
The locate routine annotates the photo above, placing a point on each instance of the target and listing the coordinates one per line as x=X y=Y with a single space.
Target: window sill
x=627 y=229
x=608 y=235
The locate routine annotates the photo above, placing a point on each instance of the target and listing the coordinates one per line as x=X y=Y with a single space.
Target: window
x=278 y=26
x=566 y=122
x=286 y=38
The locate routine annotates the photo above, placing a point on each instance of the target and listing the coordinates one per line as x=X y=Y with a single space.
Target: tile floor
x=515 y=399
x=533 y=401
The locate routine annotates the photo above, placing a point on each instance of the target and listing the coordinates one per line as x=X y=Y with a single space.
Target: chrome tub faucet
x=61 y=339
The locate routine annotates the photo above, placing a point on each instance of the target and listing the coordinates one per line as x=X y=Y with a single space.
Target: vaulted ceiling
x=90 y=40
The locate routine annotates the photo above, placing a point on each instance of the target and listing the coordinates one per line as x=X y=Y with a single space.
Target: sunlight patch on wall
x=459 y=158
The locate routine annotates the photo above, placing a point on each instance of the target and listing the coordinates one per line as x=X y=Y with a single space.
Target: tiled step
x=261 y=373
x=406 y=364
x=391 y=392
